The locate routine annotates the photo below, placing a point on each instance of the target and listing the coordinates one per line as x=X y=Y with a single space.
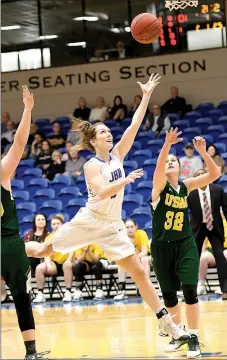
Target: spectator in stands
x=51 y=266
x=5 y=118
x=68 y=146
x=74 y=165
x=82 y=112
x=176 y=104
x=137 y=101
x=219 y=161
x=99 y=113
x=122 y=51
x=33 y=131
x=57 y=140
x=38 y=233
x=118 y=111
x=206 y=221
x=44 y=160
x=88 y=261
x=207 y=260
x=36 y=145
x=7 y=136
x=72 y=136
x=141 y=242
x=57 y=166
x=158 y=121
x=97 y=56
x=190 y=163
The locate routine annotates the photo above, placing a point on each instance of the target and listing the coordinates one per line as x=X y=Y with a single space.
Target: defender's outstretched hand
x=150 y=85
x=172 y=136
x=200 y=144
x=28 y=98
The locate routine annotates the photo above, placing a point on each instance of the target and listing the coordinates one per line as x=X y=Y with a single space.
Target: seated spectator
x=57 y=166
x=33 y=131
x=219 y=161
x=190 y=163
x=57 y=140
x=36 y=145
x=7 y=136
x=82 y=112
x=97 y=56
x=52 y=266
x=88 y=260
x=137 y=101
x=38 y=233
x=26 y=149
x=158 y=121
x=5 y=118
x=141 y=242
x=122 y=51
x=207 y=260
x=43 y=160
x=68 y=146
x=176 y=104
x=118 y=111
x=99 y=112
x=74 y=166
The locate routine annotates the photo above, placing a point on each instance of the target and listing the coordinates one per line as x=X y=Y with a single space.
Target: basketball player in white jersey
x=100 y=221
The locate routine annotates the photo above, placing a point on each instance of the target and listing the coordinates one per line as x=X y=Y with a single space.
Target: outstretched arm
x=159 y=179
x=13 y=157
x=126 y=142
x=213 y=170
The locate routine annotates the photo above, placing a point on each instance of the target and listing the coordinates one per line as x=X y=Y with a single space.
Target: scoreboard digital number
x=174 y=25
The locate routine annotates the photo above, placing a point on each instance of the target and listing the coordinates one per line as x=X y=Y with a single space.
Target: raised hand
x=172 y=136
x=150 y=85
x=28 y=99
x=136 y=174
x=200 y=144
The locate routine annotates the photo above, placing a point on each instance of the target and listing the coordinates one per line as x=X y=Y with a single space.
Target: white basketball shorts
x=86 y=229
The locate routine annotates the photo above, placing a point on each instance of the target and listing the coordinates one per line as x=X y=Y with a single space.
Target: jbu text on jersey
x=115 y=175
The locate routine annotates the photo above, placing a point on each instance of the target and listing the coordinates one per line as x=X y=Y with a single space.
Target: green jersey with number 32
x=170 y=215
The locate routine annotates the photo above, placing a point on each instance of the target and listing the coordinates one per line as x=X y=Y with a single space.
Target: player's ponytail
x=86 y=131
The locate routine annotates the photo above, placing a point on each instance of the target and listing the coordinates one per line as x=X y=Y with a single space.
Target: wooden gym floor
x=105 y=330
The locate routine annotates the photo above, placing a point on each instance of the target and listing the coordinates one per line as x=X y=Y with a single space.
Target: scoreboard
x=175 y=24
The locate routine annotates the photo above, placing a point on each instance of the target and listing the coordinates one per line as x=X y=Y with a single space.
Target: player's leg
x=97 y=269
x=81 y=269
x=43 y=270
x=206 y=260
x=147 y=263
x=67 y=268
x=187 y=270
x=121 y=285
x=3 y=290
x=17 y=273
x=134 y=268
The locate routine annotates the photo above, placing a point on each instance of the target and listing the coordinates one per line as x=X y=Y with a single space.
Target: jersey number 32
x=174 y=221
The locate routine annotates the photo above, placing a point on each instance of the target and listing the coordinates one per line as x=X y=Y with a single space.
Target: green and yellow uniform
x=209 y=247
x=174 y=251
x=141 y=240
x=15 y=265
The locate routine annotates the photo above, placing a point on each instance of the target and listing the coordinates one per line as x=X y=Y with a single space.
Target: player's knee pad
x=24 y=311
x=190 y=294
x=170 y=299
x=97 y=268
x=80 y=271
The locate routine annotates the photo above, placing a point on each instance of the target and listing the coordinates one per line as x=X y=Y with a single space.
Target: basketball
x=145 y=28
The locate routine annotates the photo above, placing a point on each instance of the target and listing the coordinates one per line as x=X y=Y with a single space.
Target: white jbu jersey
x=112 y=173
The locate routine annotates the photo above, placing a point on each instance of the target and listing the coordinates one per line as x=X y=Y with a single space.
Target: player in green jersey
x=174 y=251
x=15 y=266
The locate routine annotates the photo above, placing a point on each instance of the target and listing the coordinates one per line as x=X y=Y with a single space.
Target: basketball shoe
x=176 y=345
x=167 y=326
x=193 y=347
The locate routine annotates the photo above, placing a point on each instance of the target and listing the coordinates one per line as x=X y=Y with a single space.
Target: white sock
x=201 y=282
x=193 y=331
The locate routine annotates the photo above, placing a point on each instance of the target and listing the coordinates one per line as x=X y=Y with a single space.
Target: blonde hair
x=87 y=132
x=56 y=152
x=59 y=217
